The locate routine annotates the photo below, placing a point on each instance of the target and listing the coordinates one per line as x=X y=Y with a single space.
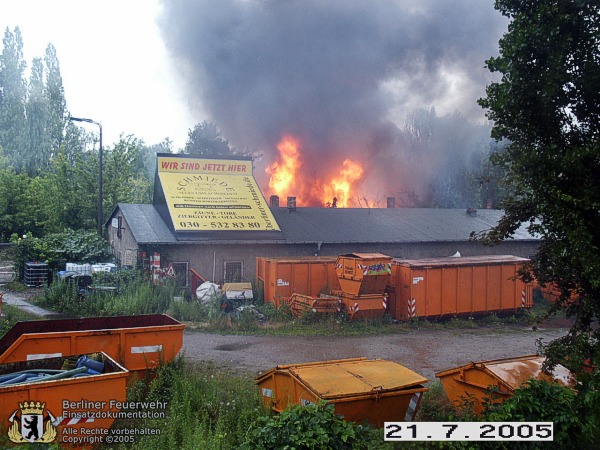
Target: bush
x=306 y=427
x=207 y=407
x=81 y=246
x=540 y=401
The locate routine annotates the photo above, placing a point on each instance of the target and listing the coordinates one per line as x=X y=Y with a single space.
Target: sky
x=341 y=76
x=114 y=64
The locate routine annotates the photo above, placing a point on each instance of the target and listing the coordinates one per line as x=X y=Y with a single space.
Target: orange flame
x=340 y=187
x=283 y=173
x=286 y=178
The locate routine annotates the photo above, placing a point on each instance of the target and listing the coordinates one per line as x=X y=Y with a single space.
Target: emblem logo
x=32 y=423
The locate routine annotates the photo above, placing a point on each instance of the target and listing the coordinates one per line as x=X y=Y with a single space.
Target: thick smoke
x=341 y=75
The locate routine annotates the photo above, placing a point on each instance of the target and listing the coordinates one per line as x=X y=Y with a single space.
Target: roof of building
x=339 y=225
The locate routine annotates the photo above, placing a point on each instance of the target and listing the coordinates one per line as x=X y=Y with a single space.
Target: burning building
x=210 y=220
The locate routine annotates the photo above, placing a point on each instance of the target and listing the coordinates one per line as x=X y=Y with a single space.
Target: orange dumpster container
x=436 y=287
x=280 y=278
x=474 y=379
x=63 y=409
x=137 y=342
x=552 y=293
x=363 y=273
x=360 y=389
x=364 y=306
x=323 y=304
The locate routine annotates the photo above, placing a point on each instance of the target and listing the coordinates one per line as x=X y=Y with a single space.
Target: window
x=234 y=272
x=181 y=273
x=119 y=227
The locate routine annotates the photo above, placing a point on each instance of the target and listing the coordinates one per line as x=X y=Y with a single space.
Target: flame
x=283 y=173
x=311 y=189
x=340 y=187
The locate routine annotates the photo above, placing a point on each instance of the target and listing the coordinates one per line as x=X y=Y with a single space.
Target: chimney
x=291 y=204
x=471 y=212
x=274 y=201
x=391 y=202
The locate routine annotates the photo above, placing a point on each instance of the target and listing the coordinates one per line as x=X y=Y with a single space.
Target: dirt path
x=424 y=351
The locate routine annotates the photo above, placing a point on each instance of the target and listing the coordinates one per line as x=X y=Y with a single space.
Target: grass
x=12 y=315
x=208 y=407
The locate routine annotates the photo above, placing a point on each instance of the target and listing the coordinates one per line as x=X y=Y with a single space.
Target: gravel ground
x=424 y=351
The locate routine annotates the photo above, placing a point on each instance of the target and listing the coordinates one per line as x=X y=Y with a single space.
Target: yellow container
x=360 y=389
x=473 y=380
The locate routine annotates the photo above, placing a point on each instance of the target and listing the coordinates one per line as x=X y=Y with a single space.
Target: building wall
x=125 y=247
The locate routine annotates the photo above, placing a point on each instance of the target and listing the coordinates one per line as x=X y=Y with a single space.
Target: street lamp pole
x=100 y=213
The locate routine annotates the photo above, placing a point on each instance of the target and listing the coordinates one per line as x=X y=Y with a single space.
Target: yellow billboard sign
x=213 y=195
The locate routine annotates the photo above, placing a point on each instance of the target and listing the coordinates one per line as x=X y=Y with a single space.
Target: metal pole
x=100 y=187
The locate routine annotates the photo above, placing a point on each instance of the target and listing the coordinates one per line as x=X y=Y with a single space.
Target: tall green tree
x=15 y=207
x=55 y=97
x=125 y=177
x=547 y=106
x=35 y=148
x=207 y=141
x=13 y=92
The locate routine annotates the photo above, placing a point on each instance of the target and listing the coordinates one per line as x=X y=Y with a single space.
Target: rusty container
x=473 y=381
x=280 y=278
x=360 y=389
x=65 y=407
x=363 y=273
x=437 y=287
x=137 y=342
x=323 y=304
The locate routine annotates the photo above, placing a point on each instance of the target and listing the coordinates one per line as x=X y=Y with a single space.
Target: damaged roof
x=340 y=225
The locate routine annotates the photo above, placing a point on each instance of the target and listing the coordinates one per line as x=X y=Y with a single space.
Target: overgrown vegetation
x=10 y=316
x=55 y=249
x=314 y=426
x=546 y=107
x=208 y=407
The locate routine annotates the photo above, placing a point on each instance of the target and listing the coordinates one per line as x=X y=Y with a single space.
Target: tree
x=36 y=152
x=125 y=177
x=55 y=96
x=206 y=140
x=13 y=92
x=547 y=106
x=15 y=213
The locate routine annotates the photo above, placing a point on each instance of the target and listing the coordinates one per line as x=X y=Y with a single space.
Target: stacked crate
x=35 y=274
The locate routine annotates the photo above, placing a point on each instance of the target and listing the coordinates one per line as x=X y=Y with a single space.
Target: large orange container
x=474 y=285
x=363 y=273
x=282 y=277
x=67 y=409
x=137 y=342
x=360 y=389
x=473 y=380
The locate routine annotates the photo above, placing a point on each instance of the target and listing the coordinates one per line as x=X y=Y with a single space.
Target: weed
x=15 y=286
x=207 y=407
x=10 y=316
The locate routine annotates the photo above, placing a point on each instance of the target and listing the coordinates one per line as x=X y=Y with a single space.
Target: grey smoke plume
x=341 y=75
